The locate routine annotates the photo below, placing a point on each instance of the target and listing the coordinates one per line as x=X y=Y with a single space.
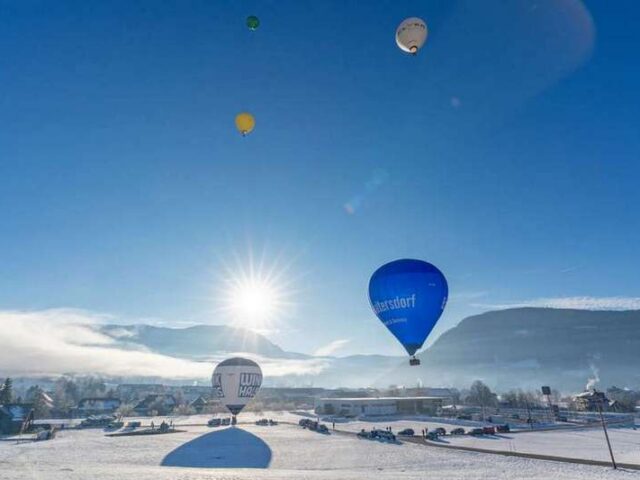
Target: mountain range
x=531 y=347
x=512 y=348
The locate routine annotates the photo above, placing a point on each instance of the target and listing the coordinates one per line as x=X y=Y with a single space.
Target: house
x=590 y=400
x=156 y=404
x=199 y=404
x=97 y=406
x=46 y=400
x=129 y=392
x=15 y=418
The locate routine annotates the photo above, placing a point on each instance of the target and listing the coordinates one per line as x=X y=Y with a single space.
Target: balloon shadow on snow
x=228 y=448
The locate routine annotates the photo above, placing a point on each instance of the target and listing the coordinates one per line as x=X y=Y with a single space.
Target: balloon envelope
x=408 y=296
x=411 y=34
x=245 y=123
x=235 y=382
x=253 y=22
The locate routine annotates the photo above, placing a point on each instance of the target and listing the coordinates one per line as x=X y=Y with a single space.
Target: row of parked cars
x=219 y=422
x=377 y=434
x=97 y=421
x=266 y=422
x=474 y=431
x=313 y=425
x=433 y=434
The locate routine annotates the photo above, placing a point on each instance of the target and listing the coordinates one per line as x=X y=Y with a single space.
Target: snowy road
x=252 y=452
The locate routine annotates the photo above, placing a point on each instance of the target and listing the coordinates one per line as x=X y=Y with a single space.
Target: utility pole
x=604 y=427
x=530 y=420
x=546 y=392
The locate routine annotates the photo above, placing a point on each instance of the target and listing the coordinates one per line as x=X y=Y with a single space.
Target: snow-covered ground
x=263 y=453
x=581 y=443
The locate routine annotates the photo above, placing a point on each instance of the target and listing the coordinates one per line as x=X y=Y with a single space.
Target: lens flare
x=254 y=299
x=252 y=295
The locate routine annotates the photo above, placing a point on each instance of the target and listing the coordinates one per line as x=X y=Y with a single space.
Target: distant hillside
x=515 y=348
x=198 y=342
x=530 y=347
x=204 y=342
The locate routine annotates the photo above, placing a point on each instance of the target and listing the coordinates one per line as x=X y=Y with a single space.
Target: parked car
x=440 y=431
x=457 y=431
x=225 y=422
x=96 y=421
x=262 y=421
x=114 y=426
x=322 y=428
x=214 y=422
x=503 y=429
x=476 y=431
x=489 y=430
x=407 y=432
x=305 y=422
x=432 y=435
x=384 y=435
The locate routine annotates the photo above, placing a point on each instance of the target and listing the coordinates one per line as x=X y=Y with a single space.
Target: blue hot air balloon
x=408 y=296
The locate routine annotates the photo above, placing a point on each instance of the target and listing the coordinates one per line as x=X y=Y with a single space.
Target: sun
x=254 y=299
x=254 y=296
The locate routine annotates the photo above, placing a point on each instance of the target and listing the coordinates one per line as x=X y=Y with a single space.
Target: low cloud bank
x=331 y=347
x=59 y=341
x=577 y=303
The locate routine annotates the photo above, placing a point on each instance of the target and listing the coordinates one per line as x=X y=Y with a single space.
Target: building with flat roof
x=352 y=407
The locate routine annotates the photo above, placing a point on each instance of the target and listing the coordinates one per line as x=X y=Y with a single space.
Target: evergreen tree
x=6 y=391
x=66 y=394
x=35 y=396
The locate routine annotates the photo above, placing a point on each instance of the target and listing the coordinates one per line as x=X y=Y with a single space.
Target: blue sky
x=506 y=153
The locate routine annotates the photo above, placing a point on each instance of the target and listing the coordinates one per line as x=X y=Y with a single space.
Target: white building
x=352 y=407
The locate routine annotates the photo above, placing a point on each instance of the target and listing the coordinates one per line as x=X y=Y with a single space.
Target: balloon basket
x=413 y=361
x=234 y=420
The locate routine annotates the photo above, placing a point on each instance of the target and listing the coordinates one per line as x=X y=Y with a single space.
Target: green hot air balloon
x=253 y=22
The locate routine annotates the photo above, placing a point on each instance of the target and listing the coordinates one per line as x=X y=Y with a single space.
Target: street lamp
x=599 y=400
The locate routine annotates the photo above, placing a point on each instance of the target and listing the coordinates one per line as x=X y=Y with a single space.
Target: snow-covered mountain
x=208 y=343
x=530 y=347
x=196 y=342
x=514 y=348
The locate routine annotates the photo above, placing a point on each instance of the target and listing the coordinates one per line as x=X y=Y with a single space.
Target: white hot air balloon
x=411 y=35
x=235 y=382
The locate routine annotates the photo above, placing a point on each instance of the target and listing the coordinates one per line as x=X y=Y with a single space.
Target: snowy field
x=584 y=443
x=256 y=453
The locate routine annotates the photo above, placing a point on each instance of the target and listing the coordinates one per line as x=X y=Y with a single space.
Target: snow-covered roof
x=590 y=394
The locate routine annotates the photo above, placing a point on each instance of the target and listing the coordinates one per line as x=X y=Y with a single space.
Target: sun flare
x=254 y=296
x=254 y=300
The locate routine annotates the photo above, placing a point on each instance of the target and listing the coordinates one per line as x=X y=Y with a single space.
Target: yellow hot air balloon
x=245 y=123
